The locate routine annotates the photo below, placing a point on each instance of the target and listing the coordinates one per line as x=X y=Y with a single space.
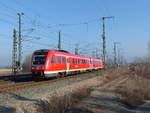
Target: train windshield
x=39 y=60
x=39 y=57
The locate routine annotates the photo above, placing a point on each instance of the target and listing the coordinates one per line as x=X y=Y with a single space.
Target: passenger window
x=82 y=61
x=63 y=60
x=53 y=59
x=76 y=61
x=59 y=60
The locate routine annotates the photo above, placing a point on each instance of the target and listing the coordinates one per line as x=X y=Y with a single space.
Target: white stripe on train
x=53 y=72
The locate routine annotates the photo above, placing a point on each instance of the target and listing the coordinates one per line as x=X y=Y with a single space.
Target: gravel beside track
x=31 y=93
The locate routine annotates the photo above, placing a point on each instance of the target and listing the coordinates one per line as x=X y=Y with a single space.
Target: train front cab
x=38 y=63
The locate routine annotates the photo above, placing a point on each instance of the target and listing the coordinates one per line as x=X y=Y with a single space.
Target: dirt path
x=105 y=99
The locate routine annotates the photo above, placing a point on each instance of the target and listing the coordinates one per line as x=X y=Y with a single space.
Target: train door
x=90 y=63
x=67 y=61
x=53 y=62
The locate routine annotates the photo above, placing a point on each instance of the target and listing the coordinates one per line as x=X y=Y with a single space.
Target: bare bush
x=143 y=70
x=137 y=88
x=61 y=99
x=56 y=103
x=62 y=102
x=26 y=66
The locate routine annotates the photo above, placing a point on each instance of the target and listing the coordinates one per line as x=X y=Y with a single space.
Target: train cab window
x=53 y=59
x=59 y=60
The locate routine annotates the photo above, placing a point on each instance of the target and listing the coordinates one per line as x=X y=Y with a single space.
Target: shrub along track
x=13 y=87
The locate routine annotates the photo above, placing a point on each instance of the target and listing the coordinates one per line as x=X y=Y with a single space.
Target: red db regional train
x=48 y=63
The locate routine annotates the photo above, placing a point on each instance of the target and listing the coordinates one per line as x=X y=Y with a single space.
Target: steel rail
x=18 y=86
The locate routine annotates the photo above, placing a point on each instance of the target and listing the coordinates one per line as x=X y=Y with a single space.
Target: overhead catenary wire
x=47 y=26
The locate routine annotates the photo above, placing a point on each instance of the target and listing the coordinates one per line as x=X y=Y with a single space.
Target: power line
x=8 y=15
x=8 y=22
x=74 y=24
x=39 y=43
x=7 y=7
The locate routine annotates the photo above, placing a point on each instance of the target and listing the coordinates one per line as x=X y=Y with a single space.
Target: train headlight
x=33 y=67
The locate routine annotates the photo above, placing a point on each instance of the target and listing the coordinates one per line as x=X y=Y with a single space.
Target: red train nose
x=38 y=68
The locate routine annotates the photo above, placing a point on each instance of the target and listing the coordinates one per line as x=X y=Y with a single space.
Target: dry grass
x=114 y=73
x=61 y=99
x=143 y=70
x=134 y=92
x=5 y=70
x=137 y=88
x=60 y=104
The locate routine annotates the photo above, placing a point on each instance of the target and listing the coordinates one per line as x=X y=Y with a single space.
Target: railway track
x=4 y=82
x=10 y=74
x=17 y=86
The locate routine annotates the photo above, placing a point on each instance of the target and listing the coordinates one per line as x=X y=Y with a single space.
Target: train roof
x=64 y=52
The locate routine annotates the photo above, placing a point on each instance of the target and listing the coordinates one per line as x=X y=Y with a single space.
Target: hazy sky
x=44 y=18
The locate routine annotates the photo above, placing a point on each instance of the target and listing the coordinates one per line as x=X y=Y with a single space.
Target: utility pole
x=20 y=41
x=77 y=49
x=115 y=53
x=14 y=53
x=96 y=53
x=104 y=38
x=59 y=40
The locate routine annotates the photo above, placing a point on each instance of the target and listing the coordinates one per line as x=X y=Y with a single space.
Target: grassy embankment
x=134 y=92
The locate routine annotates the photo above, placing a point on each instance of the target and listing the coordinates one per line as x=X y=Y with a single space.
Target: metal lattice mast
x=14 y=53
x=115 y=53
x=20 y=41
